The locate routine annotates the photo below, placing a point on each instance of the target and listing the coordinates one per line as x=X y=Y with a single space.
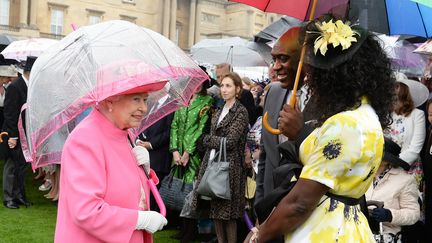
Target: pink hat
x=146 y=88
x=128 y=77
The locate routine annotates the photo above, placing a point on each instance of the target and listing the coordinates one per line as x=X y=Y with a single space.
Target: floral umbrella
x=96 y=62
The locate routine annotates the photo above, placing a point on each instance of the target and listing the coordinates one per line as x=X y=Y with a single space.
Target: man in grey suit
x=285 y=53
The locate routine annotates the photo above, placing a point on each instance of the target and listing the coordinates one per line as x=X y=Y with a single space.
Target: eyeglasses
x=280 y=58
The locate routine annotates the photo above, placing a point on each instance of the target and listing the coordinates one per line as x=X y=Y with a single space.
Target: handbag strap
x=224 y=149
x=221 y=146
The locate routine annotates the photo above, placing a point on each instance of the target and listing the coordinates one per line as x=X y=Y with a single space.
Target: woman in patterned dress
x=408 y=129
x=349 y=75
x=230 y=122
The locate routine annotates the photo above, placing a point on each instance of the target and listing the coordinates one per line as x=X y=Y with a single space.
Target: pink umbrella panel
x=299 y=9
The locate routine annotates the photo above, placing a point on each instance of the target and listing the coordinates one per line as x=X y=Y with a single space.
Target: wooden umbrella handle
x=2 y=134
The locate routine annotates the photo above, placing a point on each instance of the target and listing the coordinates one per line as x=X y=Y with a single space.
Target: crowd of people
x=357 y=135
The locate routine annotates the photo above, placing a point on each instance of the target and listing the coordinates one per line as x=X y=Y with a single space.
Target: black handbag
x=173 y=190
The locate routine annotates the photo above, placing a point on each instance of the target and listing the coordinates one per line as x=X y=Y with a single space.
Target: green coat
x=187 y=126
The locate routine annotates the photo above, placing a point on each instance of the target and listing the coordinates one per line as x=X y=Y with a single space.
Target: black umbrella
x=276 y=29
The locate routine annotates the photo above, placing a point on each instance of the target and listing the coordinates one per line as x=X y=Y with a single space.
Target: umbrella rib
x=388 y=22
x=422 y=20
x=268 y=3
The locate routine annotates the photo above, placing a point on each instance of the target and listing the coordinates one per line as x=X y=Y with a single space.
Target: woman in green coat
x=186 y=128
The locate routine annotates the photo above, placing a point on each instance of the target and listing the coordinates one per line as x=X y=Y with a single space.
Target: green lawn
x=36 y=224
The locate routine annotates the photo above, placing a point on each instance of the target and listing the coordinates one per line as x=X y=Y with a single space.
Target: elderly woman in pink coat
x=104 y=194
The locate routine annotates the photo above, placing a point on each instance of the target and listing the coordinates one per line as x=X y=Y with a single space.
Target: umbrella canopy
x=19 y=50
x=96 y=62
x=424 y=2
x=6 y=39
x=402 y=56
x=393 y=17
x=299 y=9
x=425 y=48
x=276 y=29
x=235 y=51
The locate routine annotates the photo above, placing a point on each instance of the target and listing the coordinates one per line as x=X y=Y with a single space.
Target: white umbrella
x=425 y=48
x=235 y=51
x=19 y=50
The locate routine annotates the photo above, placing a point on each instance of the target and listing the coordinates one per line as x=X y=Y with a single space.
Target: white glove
x=142 y=156
x=150 y=221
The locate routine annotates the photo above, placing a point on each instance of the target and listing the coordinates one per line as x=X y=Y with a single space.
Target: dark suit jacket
x=247 y=100
x=16 y=96
x=158 y=135
x=270 y=156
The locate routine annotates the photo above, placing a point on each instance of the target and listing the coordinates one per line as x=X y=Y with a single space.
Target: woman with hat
x=408 y=128
x=349 y=76
x=104 y=193
x=398 y=190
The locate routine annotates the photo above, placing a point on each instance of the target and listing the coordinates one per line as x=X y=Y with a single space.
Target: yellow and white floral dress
x=343 y=154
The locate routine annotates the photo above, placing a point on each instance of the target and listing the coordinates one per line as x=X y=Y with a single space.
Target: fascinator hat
x=331 y=42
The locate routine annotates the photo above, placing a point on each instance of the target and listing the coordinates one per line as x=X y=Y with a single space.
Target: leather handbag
x=173 y=190
x=215 y=181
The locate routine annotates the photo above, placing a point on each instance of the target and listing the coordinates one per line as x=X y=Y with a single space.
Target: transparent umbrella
x=19 y=50
x=96 y=62
x=236 y=51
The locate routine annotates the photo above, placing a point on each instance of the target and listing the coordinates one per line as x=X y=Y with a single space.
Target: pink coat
x=100 y=186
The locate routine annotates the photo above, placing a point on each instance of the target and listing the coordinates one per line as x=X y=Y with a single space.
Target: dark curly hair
x=366 y=73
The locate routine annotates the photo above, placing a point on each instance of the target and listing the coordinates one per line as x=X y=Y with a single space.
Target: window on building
x=128 y=18
x=4 y=12
x=94 y=19
x=57 y=17
x=209 y=18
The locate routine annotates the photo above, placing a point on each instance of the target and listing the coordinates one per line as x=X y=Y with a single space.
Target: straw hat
x=418 y=91
x=8 y=71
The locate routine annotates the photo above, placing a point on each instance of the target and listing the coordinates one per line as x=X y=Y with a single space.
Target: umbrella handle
x=157 y=197
x=269 y=128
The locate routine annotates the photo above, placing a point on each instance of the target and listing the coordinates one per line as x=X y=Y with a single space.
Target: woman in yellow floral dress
x=349 y=76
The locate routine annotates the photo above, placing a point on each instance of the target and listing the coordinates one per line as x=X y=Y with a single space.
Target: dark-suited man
x=156 y=140
x=7 y=75
x=15 y=166
x=286 y=53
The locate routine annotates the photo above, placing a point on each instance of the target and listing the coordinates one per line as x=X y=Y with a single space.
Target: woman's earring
x=110 y=109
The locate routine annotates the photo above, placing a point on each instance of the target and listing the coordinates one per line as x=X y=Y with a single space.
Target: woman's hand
x=177 y=157
x=146 y=145
x=185 y=158
x=256 y=154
